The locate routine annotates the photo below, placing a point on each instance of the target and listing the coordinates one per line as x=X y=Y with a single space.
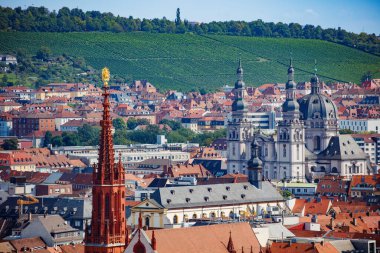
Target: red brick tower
x=108 y=226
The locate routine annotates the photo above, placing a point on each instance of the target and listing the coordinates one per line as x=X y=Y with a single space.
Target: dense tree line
x=124 y=134
x=40 y=19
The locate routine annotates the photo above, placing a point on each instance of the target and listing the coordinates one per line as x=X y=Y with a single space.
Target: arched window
x=186 y=218
x=317 y=143
x=175 y=219
x=232 y=215
x=212 y=215
x=284 y=173
x=323 y=169
x=222 y=214
x=233 y=150
x=147 y=221
x=284 y=150
x=195 y=216
x=334 y=170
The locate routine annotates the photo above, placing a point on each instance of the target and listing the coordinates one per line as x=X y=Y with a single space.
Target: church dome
x=239 y=105
x=316 y=105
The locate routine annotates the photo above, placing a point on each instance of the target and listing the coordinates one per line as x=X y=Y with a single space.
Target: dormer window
x=187 y=200
x=206 y=199
x=245 y=187
x=227 y=188
x=243 y=196
x=224 y=197
x=168 y=201
x=191 y=190
x=172 y=192
x=209 y=189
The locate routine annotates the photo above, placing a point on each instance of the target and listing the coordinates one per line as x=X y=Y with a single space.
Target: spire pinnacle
x=315 y=89
x=105 y=76
x=230 y=245
x=239 y=71
x=291 y=70
x=154 y=242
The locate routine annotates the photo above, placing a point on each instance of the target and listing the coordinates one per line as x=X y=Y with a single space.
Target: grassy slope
x=187 y=61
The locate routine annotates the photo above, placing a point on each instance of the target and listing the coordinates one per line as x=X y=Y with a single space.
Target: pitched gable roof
x=202 y=239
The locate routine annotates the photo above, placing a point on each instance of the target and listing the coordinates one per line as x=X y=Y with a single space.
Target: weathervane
x=105 y=76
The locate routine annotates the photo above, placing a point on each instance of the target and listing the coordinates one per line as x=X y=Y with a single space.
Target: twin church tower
x=306 y=145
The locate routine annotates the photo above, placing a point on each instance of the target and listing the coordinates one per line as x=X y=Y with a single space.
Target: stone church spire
x=108 y=227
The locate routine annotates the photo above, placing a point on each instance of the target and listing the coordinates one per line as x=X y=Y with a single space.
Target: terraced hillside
x=173 y=61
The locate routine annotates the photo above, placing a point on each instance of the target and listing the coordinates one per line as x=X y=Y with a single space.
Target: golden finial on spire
x=105 y=76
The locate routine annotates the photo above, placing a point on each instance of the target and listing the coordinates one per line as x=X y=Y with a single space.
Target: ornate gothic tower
x=108 y=226
x=290 y=137
x=239 y=130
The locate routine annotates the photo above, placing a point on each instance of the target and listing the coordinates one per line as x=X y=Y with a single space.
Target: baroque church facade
x=307 y=144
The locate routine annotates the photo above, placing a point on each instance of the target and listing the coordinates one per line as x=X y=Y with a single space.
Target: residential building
x=360 y=125
x=333 y=186
x=53 y=229
x=130 y=154
x=17 y=161
x=28 y=123
x=363 y=186
x=370 y=144
x=53 y=189
x=6 y=124
x=303 y=190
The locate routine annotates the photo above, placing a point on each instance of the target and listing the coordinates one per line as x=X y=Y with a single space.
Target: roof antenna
x=315 y=67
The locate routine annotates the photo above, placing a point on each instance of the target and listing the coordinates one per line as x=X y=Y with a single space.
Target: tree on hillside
x=88 y=135
x=178 y=17
x=4 y=79
x=10 y=144
x=132 y=123
x=43 y=54
x=48 y=138
x=119 y=124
